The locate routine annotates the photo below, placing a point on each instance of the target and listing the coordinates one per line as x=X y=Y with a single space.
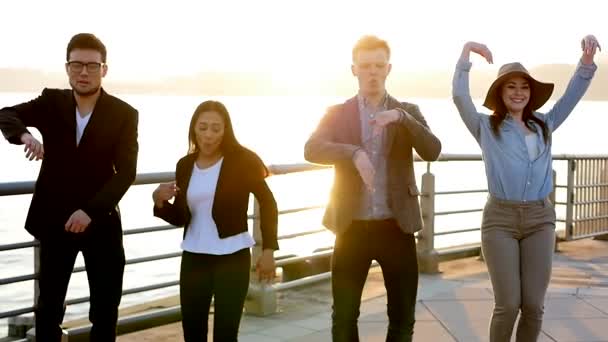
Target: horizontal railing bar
x=18 y=245
x=24 y=188
x=591 y=202
x=150 y=287
x=135 y=322
x=154 y=178
x=27 y=187
x=139 y=260
x=302 y=281
x=579 y=156
x=127 y=291
x=170 y=227
x=467 y=248
x=288 y=261
x=457 y=231
x=153 y=258
x=16 y=312
x=440 y=213
x=585 y=236
x=308 y=280
x=282 y=169
x=590 y=218
x=296 y=210
x=477 y=157
x=82 y=268
x=78 y=269
x=460 y=192
x=308 y=232
x=17 y=279
x=150 y=229
x=596 y=185
x=16 y=188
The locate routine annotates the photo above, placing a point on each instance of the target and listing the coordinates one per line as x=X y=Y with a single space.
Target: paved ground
x=454 y=305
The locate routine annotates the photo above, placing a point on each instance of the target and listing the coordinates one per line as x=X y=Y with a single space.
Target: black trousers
x=354 y=251
x=223 y=277
x=104 y=258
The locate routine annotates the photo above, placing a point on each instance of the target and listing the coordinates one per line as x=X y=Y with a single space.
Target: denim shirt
x=510 y=172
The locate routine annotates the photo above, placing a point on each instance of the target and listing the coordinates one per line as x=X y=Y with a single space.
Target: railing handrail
x=27 y=187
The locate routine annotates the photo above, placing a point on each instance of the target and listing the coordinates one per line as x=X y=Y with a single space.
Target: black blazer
x=242 y=173
x=92 y=176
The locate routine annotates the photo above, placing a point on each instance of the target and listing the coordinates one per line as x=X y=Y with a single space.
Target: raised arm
x=460 y=86
x=578 y=84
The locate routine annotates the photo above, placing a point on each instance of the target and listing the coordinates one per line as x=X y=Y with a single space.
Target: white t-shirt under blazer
x=81 y=124
x=202 y=235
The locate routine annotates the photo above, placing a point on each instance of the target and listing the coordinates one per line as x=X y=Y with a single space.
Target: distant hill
x=435 y=84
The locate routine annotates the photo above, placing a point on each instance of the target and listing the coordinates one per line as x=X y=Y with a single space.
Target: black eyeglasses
x=77 y=67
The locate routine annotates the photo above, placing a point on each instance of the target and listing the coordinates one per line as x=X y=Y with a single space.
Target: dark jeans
x=104 y=258
x=354 y=251
x=223 y=277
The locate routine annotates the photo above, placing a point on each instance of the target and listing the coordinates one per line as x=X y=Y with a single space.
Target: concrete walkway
x=454 y=305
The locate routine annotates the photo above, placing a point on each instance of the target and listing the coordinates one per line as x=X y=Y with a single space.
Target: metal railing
x=586 y=214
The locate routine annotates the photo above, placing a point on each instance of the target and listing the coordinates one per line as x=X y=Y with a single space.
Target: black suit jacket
x=92 y=176
x=242 y=173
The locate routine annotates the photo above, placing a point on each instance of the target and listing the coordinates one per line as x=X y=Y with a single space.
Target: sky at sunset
x=153 y=39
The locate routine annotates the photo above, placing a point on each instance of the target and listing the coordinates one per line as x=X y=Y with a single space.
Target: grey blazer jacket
x=338 y=136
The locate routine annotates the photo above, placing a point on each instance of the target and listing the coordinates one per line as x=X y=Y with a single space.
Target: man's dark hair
x=86 y=41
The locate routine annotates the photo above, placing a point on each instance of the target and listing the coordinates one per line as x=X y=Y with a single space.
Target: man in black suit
x=89 y=160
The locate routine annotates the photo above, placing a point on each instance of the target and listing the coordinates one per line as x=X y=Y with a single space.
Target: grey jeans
x=518 y=239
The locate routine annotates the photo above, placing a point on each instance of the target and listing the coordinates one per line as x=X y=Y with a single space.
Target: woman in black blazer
x=211 y=191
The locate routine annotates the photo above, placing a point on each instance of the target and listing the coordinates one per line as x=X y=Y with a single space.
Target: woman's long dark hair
x=500 y=114
x=229 y=142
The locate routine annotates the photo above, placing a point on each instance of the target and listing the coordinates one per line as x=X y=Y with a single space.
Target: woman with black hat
x=518 y=228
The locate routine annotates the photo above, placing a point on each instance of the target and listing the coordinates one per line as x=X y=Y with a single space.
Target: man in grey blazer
x=374 y=208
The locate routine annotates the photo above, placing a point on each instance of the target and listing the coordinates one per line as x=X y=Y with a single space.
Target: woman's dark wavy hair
x=229 y=142
x=500 y=113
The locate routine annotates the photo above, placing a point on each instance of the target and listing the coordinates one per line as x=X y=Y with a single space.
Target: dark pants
x=223 y=277
x=354 y=251
x=104 y=258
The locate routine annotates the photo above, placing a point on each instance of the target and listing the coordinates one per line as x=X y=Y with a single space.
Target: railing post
x=36 y=272
x=603 y=178
x=261 y=298
x=428 y=259
x=552 y=198
x=31 y=333
x=30 y=320
x=570 y=199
